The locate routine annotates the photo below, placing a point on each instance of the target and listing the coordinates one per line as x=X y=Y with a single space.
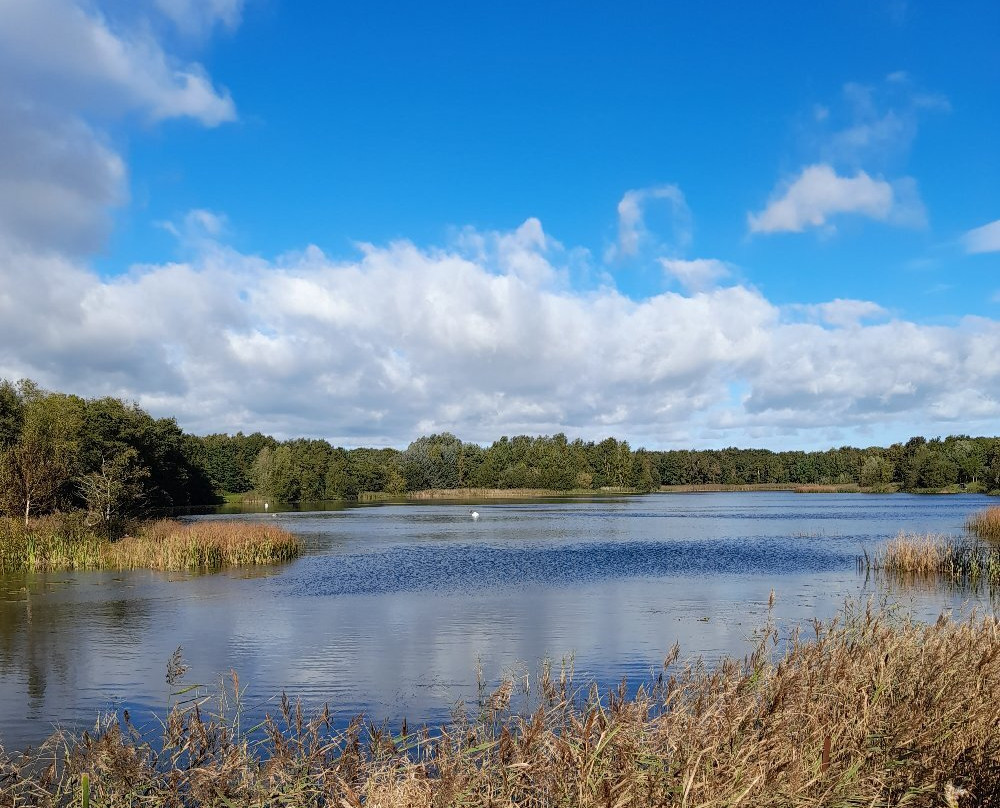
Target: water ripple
x=466 y=567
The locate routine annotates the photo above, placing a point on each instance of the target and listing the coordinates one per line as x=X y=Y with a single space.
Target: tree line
x=111 y=460
x=103 y=456
x=299 y=470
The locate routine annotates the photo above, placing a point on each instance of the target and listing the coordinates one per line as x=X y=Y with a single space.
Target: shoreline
x=873 y=706
x=466 y=494
x=472 y=494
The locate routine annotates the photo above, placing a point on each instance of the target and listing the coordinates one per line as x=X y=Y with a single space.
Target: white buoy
x=474 y=515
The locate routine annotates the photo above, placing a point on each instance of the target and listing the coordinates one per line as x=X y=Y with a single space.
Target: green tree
x=114 y=491
x=646 y=477
x=274 y=475
x=11 y=414
x=876 y=472
x=969 y=457
x=433 y=462
x=339 y=482
x=937 y=471
x=35 y=470
x=310 y=460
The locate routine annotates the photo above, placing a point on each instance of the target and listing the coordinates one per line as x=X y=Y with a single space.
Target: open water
x=392 y=607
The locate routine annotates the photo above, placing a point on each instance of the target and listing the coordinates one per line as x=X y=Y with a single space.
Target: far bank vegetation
x=113 y=461
x=309 y=470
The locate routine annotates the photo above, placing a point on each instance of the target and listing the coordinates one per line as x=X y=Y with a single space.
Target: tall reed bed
x=929 y=555
x=869 y=709
x=65 y=543
x=211 y=544
x=985 y=524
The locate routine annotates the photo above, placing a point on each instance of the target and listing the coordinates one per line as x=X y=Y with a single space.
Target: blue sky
x=683 y=224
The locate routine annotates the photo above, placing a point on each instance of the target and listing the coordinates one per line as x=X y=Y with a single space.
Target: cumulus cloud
x=67 y=75
x=198 y=17
x=57 y=179
x=983 y=239
x=841 y=313
x=852 y=145
x=366 y=350
x=818 y=193
x=402 y=340
x=634 y=230
x=482 y=336
x=56 y=51
x=697 y=274
x=877 y=373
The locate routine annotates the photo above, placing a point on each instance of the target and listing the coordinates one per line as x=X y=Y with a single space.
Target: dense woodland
x=104 y=456
x=110 y=459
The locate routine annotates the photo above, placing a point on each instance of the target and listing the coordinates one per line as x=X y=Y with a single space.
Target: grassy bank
x=868 y=710
x=491 y=493
x=911 y=554
x=63 y=542
x=798 y=488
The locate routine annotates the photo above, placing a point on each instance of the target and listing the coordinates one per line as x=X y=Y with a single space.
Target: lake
x=392 y=606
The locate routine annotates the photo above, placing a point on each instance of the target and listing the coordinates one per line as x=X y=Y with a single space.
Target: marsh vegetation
x=65 y=542
x=929 y=555
x=985 y=524
x=871 y=708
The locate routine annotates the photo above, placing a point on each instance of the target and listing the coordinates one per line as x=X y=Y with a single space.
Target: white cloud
x=198 y=229
x=853 y=144
x=983 y=239
x=404 y=340
x=67 y=76
x=57 y=180
x=55 y=51
x=875 y=374
x=841 y=313
x=818 y=193
x=634 y=230
x=697 y=274
x=198 y=17
x=874 y=124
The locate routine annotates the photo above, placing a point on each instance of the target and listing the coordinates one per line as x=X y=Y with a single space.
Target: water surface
x=392 y=607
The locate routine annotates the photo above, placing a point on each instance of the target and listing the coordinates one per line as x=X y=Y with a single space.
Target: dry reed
x=929 y=555
x=827 y=488
x=872 y=709
x=64 y=543
x=985 y=524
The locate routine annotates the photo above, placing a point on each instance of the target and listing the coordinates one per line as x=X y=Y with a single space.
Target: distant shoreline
x=496 y=494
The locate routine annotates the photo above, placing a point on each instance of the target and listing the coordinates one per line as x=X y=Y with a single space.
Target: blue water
x=392 y=607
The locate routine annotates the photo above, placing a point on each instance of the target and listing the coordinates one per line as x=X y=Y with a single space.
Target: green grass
x=63 y=542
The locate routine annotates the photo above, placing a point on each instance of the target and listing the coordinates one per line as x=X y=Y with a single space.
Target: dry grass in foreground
x=912 y=554
x=870 y=710
x=985 y=524
x=64 y=543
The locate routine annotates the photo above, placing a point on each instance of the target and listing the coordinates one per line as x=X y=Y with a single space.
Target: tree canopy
x=113 y=459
